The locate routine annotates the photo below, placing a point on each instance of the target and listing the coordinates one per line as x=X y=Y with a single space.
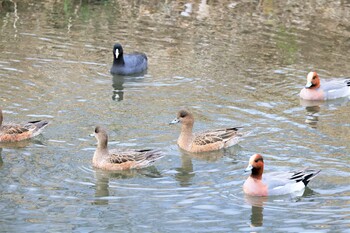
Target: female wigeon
x=12 y=132
x=127 y=64
x=116 y=159
x=205 y=141
x=331 y=89
x=274 y=183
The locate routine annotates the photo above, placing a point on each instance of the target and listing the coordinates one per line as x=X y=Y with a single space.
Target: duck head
x=184 y=117
x=312 y=80
x=101 y=137
x=117 y=51
x=256 y=166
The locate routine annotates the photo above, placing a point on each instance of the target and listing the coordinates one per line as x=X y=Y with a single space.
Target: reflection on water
x=101 y=188
x=119 y=82
x=19 y=144
x=118 y=93
x=235 y=62
x=102 y=183
x=313 y=108
x=312 y=115
x=38 y=140
x=257 y=203
x=210 y=156
x=103 y=179
x=185 y=173
x=307 y=193
x=257 y=217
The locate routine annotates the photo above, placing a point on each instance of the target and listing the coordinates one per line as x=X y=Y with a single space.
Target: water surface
x=232 y=63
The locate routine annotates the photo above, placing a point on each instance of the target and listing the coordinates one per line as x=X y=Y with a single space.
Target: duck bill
x=92 y=135
x=175 y=121
x=116 y=53
x=249 y=168
x=308 y=85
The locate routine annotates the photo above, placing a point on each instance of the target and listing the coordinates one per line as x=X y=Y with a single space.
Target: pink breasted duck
x=275 y=183
x=325 y=90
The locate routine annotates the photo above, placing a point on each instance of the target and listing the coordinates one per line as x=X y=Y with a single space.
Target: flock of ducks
x=256 y=184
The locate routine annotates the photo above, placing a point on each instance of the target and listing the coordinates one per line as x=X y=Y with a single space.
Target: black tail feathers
x=305 y=176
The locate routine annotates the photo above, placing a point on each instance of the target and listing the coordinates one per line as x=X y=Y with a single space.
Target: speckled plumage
x=119 y=159
x=13 y=132
x=209 y=140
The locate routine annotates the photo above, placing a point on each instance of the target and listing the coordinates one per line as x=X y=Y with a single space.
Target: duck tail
x=347 y=81
x=310 y=176
x=154 y=155
x=150 y=157
x=305 y=175
x=38 y=126
x=232 y=136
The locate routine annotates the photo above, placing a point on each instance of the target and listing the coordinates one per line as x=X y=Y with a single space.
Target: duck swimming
x=128 y=64
x=209 y=140
x=325 y=90
x=13 y=132
x=118 y=159
x=277 y=183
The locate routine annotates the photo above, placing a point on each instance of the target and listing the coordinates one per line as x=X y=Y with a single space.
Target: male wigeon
x=117 y=159
x=274 y=183
x=12 y=132
x=204 y=141
x=127 y=64
x=325 y=90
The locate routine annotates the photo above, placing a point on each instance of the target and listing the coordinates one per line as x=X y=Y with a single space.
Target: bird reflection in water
x=101 y=188
x=102 y=181
x=257 y=203
x=313 y=108
x=118 y=85
x=19 y=144
x=185 y=173
x=312 y=115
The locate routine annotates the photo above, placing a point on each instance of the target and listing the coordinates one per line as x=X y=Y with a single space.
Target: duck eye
x=259 y=159
x=183 y=114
